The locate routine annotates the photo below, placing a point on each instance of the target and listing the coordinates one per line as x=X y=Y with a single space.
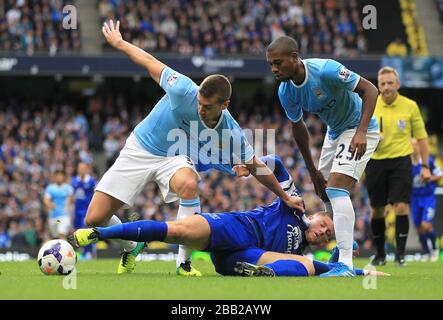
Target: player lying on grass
x=266 y=241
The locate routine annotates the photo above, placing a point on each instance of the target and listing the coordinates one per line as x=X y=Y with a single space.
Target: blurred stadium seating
x=36 y=27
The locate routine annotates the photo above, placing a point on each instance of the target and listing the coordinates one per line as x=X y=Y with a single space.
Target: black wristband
x=425 y=165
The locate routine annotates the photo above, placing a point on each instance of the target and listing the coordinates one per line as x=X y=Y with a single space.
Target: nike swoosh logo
x=402 y=235
x=341 y=164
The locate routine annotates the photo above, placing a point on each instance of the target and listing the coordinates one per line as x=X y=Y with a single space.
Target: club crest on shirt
x=344 y=74
x=401 y=124
x=172 y=79
x=319 y=93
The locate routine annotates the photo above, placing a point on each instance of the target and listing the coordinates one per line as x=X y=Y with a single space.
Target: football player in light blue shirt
x=189 y=125
x=346 y=102
x=58 y=200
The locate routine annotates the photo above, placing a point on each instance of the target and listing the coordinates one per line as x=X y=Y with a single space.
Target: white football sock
x=187 y=208
x=127 y=245
x=344 y=220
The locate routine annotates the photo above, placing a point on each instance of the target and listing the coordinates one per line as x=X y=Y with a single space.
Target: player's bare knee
x=188 y=189
x=177 y=231
x=378 y=213
x=309 y=265
x=401 y=208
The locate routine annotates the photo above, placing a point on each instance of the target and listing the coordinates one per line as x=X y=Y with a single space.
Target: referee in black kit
x=388 y=173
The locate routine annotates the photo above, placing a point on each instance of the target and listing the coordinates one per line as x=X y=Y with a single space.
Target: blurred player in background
x=388 y=175
x=424 y=203
x=152 y=152
x=346 y=102
x=83 y=185
x=58 y=201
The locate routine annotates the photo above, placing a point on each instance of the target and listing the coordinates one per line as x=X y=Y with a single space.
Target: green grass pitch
x=157 y=281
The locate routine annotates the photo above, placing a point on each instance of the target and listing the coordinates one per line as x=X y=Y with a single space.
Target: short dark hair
x=216 y=85
x=286 y=44
x=59 y=171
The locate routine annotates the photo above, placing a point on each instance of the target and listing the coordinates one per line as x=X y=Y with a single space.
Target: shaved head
x=284 y=44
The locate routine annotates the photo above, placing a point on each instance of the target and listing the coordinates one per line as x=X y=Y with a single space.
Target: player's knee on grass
x=270 y=257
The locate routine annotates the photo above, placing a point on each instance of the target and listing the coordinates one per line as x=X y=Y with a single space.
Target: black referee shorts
x=389 y=181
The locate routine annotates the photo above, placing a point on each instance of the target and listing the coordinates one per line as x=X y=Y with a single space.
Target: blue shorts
x=233 y=238
x=423 y=209
x=79 y=219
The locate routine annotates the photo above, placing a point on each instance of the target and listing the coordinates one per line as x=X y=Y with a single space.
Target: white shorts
x=335 y=155
x=60 y=225
x=135 y=167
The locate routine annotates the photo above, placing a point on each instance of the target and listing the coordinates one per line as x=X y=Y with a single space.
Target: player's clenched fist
x=112 y=33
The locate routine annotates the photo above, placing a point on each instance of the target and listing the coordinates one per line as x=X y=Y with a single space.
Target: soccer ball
x=56 y=257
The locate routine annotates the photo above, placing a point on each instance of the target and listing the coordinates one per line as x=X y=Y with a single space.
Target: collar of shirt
x=393 y=104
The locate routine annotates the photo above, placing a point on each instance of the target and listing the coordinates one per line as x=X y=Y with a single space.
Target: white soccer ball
x=56 y=257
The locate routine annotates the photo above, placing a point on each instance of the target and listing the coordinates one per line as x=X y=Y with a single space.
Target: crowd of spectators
x=214 y=27
x=36 y=139
x=32 y=26
x=439 y=4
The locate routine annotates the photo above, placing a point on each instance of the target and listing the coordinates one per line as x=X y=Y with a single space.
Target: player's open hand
x=112 y=33
x=241 y=171
x=358 y=145
x=296 y=203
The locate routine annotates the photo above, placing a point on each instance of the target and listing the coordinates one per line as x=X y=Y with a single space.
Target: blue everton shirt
x=83 y=192
x=59 y=195
x=174 y=127
x=327 y=91
x=424 y=189
x=282 y=229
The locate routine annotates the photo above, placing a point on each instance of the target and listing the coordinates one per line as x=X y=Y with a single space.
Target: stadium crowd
x=35 y=140
x=32 y=26
x=212 y=27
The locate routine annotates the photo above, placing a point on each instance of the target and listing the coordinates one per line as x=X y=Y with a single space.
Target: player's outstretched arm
x=266 y=177
x=368 y=93
x=301 y=137
x=113 y=36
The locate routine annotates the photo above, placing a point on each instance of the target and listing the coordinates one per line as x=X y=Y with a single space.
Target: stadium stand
x=439 y=4
x=414 y=29
x=239 y=27
x=35 y=27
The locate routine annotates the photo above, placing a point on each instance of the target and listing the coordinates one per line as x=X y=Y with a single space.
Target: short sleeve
x=48 y=192
x=418 y=126
x=180 y=88
x=293 y=111
x=339 y=76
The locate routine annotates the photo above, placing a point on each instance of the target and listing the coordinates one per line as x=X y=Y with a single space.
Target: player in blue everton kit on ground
x=190 y=124
x=84 y=185
x=424 y=203
x=58 y=201
x=346 y=102
x=266 y=241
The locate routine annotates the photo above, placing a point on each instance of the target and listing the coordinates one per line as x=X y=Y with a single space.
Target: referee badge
x=401 y=124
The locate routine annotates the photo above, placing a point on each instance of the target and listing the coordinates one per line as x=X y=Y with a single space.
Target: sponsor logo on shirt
x=344 y=74
x=294 y=238
x=172 y=79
